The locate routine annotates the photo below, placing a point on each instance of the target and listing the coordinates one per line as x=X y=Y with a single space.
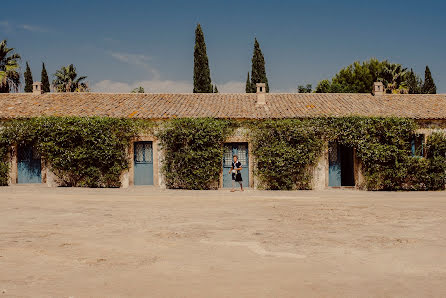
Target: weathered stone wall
x=320 y=171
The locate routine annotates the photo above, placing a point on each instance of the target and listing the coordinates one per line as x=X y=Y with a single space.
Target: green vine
x=92 y=152
x=193 y=149
x=287 y=149
x=85 y=152
x=284 y=150
x=383 y=147
x=4 y=164
x=436 y=155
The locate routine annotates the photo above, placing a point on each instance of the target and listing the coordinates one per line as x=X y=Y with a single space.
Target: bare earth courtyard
x=149 y=242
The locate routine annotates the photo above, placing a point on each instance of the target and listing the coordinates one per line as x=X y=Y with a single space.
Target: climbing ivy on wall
x=193 y=150
x=287 y=149
x=4 y=165
x=80 y=151
x=383 y=147
x=284 y=150
x=436 y=156
x=92 y=152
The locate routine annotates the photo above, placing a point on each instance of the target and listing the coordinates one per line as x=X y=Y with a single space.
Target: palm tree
x=394 y=77
x=66 y=80
x=9 y=65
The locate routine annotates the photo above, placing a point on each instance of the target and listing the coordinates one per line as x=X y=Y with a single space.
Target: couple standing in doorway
x=236 y=173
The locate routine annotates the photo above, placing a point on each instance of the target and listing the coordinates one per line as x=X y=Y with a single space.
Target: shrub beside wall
x=88 y=152
x=4 y=165
x=285 y=149
x=383 y=147
x=436 y=155
x=193 y=151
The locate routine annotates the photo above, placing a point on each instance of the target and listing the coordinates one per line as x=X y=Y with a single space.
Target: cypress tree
x=202 y=74
x=28 y=79
x=44 y=80
x=429 y=85
x=215 y=89
x=248 y=84
x=413 y=82
x=258 y=72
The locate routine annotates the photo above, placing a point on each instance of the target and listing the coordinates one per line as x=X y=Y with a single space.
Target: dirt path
x=147 y=242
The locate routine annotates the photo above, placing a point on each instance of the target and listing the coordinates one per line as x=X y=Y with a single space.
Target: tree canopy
x=138 y=90
x=414 y=82
x=258 y=71
x=359 y=78
x=248 y=84
x=305 y=89
x=9 y=66
x=66 y=80
x=44 y=79
x=202 y=73
x=429 y=85
x=28 y=79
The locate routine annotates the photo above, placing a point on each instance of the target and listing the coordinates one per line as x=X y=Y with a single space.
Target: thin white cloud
x=5 y=26
x=239 y=87
x=290 y=90
x=150 y=86
x=155 y=84
x=109 y=39
x=136 y=60
x=32 y=28
x=231 y=87
x=8 y=27
x=161 y=86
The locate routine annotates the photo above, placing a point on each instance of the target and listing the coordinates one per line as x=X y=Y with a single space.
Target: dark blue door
x=28 y=165
x=241 y=150
x=143 y=163
x=334 y=170
x=341 y=165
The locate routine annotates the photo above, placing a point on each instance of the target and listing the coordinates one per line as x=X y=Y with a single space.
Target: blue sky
x=122 y=44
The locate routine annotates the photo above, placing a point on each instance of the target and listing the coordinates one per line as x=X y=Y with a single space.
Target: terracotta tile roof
x=242 y=106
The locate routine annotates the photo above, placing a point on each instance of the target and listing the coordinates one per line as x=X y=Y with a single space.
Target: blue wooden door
x=334 y=170
x=241 y=150
x=143 y=163
x=341 y=165
x=28 y=165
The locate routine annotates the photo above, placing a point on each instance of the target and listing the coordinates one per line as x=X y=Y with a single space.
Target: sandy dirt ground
x=146 y=242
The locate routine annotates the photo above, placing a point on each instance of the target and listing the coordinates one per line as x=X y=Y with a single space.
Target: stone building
x=337 y=167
